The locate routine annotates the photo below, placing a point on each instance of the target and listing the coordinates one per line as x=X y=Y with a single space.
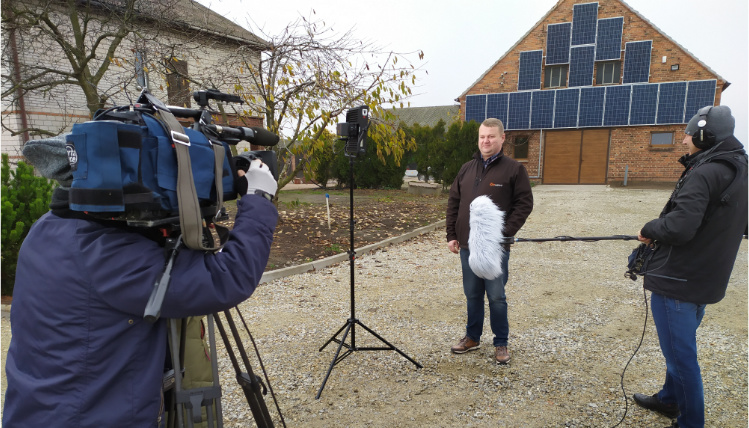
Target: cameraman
x=81 y=354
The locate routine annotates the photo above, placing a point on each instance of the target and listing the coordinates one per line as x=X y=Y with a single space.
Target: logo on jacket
x=72 y=156
x=495 y=184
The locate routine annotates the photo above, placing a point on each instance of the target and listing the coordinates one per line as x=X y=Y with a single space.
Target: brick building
x=594 y=93
x=173 y=50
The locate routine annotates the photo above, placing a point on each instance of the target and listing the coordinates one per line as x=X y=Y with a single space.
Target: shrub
x=369 y=171
x=461 y=142
x=25 y=198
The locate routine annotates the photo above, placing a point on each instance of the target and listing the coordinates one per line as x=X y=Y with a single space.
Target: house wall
x=209 y=59
x=630 y=146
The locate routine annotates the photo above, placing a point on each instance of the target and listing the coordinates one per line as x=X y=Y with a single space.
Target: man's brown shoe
x=466 y=344
x=501 y=355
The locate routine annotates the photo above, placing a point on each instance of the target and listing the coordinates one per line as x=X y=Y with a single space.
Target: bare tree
x=310 y=75
x=83 y=52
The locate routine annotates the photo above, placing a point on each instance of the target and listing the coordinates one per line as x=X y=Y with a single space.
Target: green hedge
x=25 y=198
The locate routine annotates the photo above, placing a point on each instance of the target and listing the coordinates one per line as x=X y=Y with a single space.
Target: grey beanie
x=719 y=121
x=50 y=158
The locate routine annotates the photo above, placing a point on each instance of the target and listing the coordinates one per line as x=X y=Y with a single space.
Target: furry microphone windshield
x=484 y=240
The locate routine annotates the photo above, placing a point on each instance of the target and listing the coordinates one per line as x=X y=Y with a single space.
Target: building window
x=662 y=138
x=177 y=85
x=520 y=147
x=555 y=76
x=607 y=73
x=141 y=69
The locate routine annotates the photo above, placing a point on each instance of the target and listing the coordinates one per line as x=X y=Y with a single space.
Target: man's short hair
x=494 y=123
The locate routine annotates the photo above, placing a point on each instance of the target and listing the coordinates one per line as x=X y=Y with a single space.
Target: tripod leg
x=247 y=380
x=335 y=358
x=332 y=338
x=389 y=344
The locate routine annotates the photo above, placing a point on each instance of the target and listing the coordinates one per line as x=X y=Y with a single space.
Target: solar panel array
x=580 y=44
x=584 y=19
x=616 y=105
x=558 y=43
x=637 y=62
x=609 y=39
x=581 y=65
x=529 y=72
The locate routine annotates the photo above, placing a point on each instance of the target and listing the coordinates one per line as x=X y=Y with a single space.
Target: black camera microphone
x=255 y=135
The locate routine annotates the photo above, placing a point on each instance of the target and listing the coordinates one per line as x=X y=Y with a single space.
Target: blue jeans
x=676 y=323
x=474 y=289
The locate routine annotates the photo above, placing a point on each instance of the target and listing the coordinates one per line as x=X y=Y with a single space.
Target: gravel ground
x=574 y=323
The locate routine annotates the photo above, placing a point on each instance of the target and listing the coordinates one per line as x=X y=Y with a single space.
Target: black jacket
x=504 y=180
x=699 y=231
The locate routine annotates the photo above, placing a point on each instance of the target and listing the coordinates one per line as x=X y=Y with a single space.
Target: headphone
x=703 y=138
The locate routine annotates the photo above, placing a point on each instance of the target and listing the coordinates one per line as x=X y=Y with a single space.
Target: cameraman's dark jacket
x=504 y=180
x=81 y=354
x=699 y=231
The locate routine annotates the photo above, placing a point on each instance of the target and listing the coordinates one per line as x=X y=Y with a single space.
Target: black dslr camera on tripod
x=138 y=165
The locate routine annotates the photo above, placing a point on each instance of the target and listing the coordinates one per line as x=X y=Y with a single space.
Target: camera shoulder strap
x=190 y=215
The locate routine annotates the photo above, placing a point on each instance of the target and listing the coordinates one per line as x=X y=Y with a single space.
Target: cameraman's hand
x=257 y=177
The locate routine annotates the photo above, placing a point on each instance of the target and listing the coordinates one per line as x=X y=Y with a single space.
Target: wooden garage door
x=576 y=157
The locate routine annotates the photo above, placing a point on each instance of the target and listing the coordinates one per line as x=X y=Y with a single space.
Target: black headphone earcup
x=703 y=138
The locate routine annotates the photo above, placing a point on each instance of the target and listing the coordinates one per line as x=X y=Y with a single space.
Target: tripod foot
x=350 y=326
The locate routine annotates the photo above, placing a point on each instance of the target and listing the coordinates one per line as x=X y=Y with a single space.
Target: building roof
x=427 y=116
x=188 y=15
x=195 y=15
x=559 y=3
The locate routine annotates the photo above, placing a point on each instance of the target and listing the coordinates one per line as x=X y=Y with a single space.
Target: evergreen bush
x=25 y=198
x=369 y=171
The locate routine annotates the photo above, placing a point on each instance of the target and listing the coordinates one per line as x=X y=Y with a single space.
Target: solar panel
x=616 y=105
x=529 y=72
x=565 y=108
x=591 y=106
x=475 y=108
x=558 y=43
x=644 y=103
x=496 y=106
x=671 y=98
x=542 y=109
x=637 y=62
x=581 y=65
x=519 y=111
x=700 y=93
x=584 y=17
x=609 y=39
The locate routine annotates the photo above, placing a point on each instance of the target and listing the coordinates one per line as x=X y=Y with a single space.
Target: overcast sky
x=461 y=40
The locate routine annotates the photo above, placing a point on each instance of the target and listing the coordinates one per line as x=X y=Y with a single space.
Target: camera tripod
x=185 y=406
x=352 y=322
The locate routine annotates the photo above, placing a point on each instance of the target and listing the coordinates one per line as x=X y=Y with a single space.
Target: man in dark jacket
x=82 y=354
x=696 y=239
x=506 y=182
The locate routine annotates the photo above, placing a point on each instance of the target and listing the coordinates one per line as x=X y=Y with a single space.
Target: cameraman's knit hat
x=50 y=158
x=719 y=121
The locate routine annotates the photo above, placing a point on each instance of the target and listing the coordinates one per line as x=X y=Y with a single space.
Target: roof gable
x=561 y=12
